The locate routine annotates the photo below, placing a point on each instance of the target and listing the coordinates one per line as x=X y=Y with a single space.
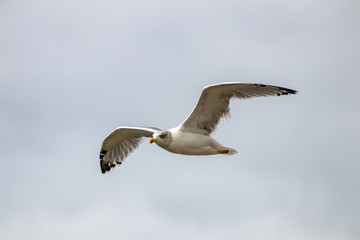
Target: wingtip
x=102 y=166
x=286 y=91
x=291 y=91
x=283 y=91
x=106 y=166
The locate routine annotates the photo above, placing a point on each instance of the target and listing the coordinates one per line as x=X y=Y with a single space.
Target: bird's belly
x=193 y=144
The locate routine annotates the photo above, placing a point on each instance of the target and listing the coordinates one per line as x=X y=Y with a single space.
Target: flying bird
x=193 y=136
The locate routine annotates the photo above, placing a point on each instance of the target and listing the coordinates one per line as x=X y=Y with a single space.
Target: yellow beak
x=153 y=140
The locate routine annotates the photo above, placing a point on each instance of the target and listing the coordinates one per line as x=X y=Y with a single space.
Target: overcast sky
x=72 y=71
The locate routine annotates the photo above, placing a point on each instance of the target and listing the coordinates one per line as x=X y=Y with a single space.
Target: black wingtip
x=102 y=153
x=102 y=166
x=283 y=91
x=105 y=165
x=286 y=91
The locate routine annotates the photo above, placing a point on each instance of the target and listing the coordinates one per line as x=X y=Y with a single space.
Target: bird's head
x=162 y=138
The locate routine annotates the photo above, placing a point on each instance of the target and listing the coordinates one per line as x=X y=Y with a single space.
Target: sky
x=72 y=71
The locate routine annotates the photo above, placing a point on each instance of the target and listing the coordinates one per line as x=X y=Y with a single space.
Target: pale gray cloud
x=71 y=71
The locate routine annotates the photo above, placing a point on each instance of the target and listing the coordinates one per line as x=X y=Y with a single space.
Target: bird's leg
x=223 y=151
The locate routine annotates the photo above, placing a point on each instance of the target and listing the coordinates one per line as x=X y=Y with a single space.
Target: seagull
x=193 y=136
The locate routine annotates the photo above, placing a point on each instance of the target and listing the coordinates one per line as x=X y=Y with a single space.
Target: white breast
x=192 y=143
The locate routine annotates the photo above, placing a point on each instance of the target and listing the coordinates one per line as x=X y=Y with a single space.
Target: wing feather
x=120 y=143
x=214 y=100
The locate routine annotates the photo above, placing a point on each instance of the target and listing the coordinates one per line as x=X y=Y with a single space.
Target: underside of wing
x=214 y=100
x=120 y=143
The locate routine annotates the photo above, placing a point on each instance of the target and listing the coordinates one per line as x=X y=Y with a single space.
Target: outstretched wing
x=213 y=103
x=120 y=143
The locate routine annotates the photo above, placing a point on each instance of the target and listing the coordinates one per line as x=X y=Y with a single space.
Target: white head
x=162 y=138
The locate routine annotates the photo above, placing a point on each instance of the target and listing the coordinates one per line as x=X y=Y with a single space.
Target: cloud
x=71 y=71
x=136 y=221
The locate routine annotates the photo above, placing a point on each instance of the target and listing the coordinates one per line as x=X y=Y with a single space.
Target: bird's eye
x=163 y=135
